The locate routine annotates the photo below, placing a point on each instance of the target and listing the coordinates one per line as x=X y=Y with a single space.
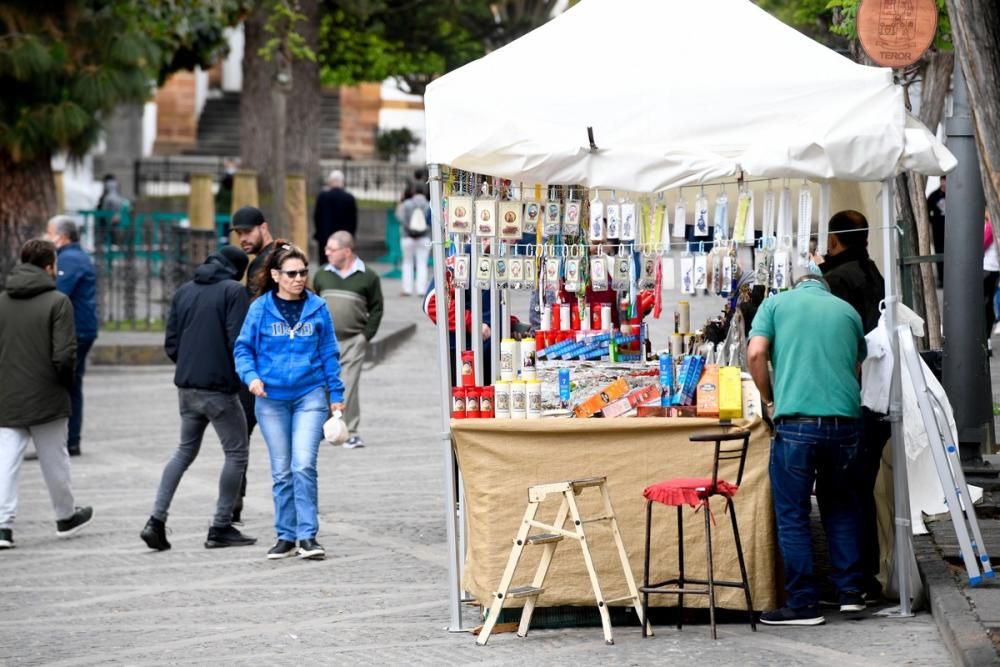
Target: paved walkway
x=379 y=598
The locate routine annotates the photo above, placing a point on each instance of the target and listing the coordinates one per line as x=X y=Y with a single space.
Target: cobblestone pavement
x=379 y=598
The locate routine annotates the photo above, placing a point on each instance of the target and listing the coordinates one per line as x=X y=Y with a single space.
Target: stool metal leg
x=680 y=566
x=508 y=574
x=743 y=567
x=594 y=582
x=711 y=572
x=645 y=565
x=633 y=592
x=542 y=571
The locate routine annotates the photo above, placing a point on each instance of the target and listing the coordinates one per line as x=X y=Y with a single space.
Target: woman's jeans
x=824 y=452
x=293 y=430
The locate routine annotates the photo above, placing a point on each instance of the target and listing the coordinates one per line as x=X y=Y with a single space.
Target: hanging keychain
x=701 y=268
x=647 y=276
x=552 y=265
x=763 y=266
x=462 y=271
x=597 y=219
x=509 y=217
x=620 y=279
x=459 y=214
x=532 y=213
x=680 y=217
x=715 y=262
x=500 y=267
x=748 y=231
x=515 y=269
x=530 y=263
x=742 y=214
x=701 y=214
x=728 y=271
x=484 y=271
x=805 y=224
x=598 y=272
x=572 y=282
x=782 y=270
x=628 y=225
x=721 y=217
x=784 y=229
x=571 y=217
x=486 y=216
x=553 y=215
x=614 y=219
x=687 y=271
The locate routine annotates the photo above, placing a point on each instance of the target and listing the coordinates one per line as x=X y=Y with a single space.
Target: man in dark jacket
x=205 y=320
x=76 y=279
x=853 y=277
x=37 y=355
x=336 y=210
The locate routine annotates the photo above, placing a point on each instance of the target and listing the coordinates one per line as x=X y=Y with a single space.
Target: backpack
x=417 y=224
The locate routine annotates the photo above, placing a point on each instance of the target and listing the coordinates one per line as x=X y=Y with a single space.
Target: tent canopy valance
x=676 y=93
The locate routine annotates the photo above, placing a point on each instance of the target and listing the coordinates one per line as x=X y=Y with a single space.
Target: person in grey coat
x=37 y=364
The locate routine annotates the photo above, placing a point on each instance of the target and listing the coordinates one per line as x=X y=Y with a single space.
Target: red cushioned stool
x=697 y=492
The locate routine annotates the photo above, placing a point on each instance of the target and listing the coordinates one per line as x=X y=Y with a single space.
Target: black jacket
x=854 y=278
x=205 y=320
x=37 y=349
x=336 y=210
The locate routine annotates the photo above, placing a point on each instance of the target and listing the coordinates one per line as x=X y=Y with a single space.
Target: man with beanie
x=205 y=319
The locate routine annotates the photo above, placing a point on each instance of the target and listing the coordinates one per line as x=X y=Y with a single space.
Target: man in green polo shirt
x=816 y=343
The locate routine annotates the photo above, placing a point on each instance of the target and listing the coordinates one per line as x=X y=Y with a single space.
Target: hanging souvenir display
x=553 y=218
x=784 y=229
x=459 y=215
x=462 y=271
x=484 y=272
x=782 y=270
x=597 y=231
x=647 y=276
x=748 y=232
x=769 y=214
x=552 y=265
x=715 y=262
x=509 y=218
x=701 y=270
x=687 y=273
x=721 y=217
x=486 y=218
x=532 y=215
x=598 y=274
x=742 y=214
x=823 y=225
x=530 y=272
x=805 y=225
x=628 y=225
x=728 y=272
x=680 y=218
x=667 y=274
x=620 y=279
x=515 y=269
x=572 y=281
x=763 y=270
x=571 y=218
x=614 y=220
x=701 y=215
x=500 y=266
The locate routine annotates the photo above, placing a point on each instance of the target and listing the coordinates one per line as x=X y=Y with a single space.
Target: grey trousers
x=352 y=355
x=53 y=457
x=199 y=408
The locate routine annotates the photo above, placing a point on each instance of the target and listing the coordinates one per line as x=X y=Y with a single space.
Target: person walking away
x=354 y=296
x=991 y=271
x=853 y=277
x=816 y=344
x=414 y=216
x=287 y=354
x=37 y=364
x=336 y=210
x=936 y=210
x=255 y=238
x=77 y=279
x=206 y=316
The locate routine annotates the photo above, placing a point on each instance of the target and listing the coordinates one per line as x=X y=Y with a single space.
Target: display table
x=501 y=458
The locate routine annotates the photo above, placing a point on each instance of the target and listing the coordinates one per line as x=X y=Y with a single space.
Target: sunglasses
x=301 y=273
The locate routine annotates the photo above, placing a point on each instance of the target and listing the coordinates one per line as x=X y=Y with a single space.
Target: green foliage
x=395 y=144
x=281 y=22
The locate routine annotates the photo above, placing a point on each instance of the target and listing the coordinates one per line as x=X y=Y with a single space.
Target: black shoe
x=31 y=455
x=311 y=550
x=74 y=451
x=73 y=525
x=281 y=549
x=6 y=538
x=874 y=597
x=851 y=602
x=227 y=536
x=154 y=534
x=789 y=616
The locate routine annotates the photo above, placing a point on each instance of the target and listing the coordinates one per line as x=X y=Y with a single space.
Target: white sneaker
x=354 y=442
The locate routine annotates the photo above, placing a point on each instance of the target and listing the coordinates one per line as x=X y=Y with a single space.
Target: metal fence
x=141 y=260
x=170 y=176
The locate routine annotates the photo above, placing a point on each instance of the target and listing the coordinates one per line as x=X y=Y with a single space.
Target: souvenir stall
x=694 y=153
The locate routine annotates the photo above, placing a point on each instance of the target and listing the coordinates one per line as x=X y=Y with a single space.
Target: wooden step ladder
x=549 y=539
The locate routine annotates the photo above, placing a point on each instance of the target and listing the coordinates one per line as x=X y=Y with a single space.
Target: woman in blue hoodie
x=288 y=357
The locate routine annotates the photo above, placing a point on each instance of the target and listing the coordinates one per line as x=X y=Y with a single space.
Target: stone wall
x=176 y=116
x=359 y=108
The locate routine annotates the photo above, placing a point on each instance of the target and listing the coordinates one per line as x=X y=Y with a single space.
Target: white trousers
x=53 y=457
x=415 y=251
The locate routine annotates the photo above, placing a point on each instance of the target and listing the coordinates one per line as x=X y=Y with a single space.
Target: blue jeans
x=293 y=430
x=76 y=395
x=826 y=454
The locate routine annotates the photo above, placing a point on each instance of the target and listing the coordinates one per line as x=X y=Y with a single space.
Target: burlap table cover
x=500 y=459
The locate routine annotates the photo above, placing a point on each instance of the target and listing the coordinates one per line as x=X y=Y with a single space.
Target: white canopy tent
x=676 y=93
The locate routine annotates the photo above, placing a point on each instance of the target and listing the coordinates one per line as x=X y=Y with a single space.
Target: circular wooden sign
x=895 y=33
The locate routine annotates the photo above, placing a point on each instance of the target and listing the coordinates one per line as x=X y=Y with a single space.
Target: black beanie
x=237 y=258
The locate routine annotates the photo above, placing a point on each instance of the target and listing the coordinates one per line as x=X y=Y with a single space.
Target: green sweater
x=355 y=302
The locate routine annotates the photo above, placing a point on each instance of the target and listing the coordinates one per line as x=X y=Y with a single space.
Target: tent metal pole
x=475 y=335
x=901 y=493
x=451 y=486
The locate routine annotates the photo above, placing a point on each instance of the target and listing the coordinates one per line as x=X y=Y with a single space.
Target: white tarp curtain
x=677 y=92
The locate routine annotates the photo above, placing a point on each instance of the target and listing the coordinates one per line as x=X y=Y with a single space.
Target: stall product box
x=708 y=392
x=596 y=402
x=730 y=393
x=623 y=405
x=652 y=411
x=751 y=400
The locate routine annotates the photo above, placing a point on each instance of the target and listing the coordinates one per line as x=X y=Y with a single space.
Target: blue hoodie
x=290 y=366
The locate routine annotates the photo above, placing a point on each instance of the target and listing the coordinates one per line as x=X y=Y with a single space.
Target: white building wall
x=412 y=119
x=232 y=66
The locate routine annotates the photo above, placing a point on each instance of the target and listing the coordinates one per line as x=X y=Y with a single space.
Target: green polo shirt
x=816 y=343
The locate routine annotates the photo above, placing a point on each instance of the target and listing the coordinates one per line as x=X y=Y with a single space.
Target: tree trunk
x=302 y=141
x=908 y=245
x=256 y=110
x=27 y=201
x=975 y=26
x=279 y=216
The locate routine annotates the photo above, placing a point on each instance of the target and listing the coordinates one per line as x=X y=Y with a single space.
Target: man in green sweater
x=354 y=296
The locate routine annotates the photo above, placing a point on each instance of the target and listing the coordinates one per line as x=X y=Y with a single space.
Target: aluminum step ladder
x=553 y=534
x=949 y=465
